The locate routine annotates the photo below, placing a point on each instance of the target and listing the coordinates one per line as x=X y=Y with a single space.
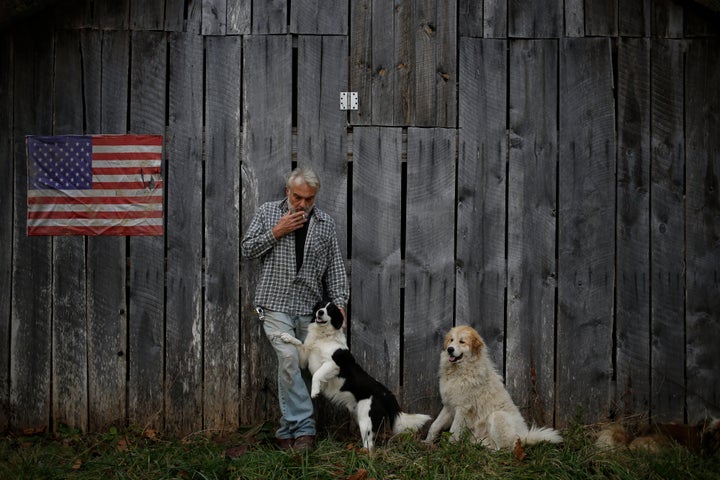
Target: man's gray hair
x=304 y=175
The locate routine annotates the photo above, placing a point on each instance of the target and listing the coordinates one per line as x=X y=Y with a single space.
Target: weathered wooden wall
x=547 y=171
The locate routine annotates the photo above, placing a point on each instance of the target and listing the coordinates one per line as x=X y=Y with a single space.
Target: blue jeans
x=295 y=403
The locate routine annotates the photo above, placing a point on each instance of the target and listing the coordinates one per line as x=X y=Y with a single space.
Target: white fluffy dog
x=475 y=400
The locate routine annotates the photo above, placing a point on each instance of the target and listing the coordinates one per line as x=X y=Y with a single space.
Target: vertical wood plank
x=481 y=203
x=147 y=14
x=429 y=265
x=239 y=17
x=91 y=46
x=266 y=162
x=703 y=228
x=69 y=352
x=632 y=234
x=376 y=280
x=470 y=18
x=667 y=19
x=447 y=71
x=321 y=142
x=532 y=226
x=538 y=19
x=269 y=16
x=213 y=18
x=495 y=18
x=31 y=303
x=601 y=18
x=574 y=15
x=6 y=218
x=319 y=17
x=111 y=15
x=361 y=61
x=147 y=263
x=586 y=245
x=175 y=20
x=221 y=392
x=404 y=62
x=71 y=16
x=106 y=58
x=667 y=231
x=184 y=219
x=634 y=17
x=425 y=63
x=321 y=127
x=384 y=71
x=435 y=64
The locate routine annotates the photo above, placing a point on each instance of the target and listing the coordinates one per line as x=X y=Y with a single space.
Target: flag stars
x=60 y=164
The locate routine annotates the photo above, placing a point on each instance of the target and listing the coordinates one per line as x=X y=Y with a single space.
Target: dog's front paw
x=287 y=338
x=315 y=393
x=431 y=436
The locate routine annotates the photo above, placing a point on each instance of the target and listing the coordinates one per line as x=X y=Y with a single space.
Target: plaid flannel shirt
x=281 y=287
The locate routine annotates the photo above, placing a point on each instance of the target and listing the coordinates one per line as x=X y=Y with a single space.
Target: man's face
x=301 y=197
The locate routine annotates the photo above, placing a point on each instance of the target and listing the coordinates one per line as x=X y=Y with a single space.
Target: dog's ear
x=448 y=339
x=321 y=303
x=318 y=306
x=476 y=343
x=336 y=317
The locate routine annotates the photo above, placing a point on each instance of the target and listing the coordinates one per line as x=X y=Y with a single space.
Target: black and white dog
x=337 y=375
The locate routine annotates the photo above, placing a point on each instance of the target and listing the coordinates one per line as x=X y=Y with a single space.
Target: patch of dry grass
x=143 y=454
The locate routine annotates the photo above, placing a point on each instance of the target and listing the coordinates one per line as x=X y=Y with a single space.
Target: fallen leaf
x=237 y=451
x=33 y=431
x=361 y=474
x=519 y=451
x=122 y=445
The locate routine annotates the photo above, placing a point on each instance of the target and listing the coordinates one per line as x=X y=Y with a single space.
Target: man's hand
x=289 y=223
x=344 y=325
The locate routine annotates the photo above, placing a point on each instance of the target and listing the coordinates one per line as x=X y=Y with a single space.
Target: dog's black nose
x=450 y=350
x=321 y=312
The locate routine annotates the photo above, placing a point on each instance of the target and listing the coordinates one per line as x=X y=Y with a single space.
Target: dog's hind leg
x=362 y=412
x=503 y=430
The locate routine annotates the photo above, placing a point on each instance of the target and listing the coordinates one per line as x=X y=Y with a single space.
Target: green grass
x=136 y=454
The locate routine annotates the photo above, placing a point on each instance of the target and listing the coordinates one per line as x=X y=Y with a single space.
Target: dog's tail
x=543 y=434
x=409 y=422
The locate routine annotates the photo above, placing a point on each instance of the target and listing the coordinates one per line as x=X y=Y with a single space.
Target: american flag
x=95 y=185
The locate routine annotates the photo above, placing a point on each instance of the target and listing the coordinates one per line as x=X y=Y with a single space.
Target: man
x=301 y=264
